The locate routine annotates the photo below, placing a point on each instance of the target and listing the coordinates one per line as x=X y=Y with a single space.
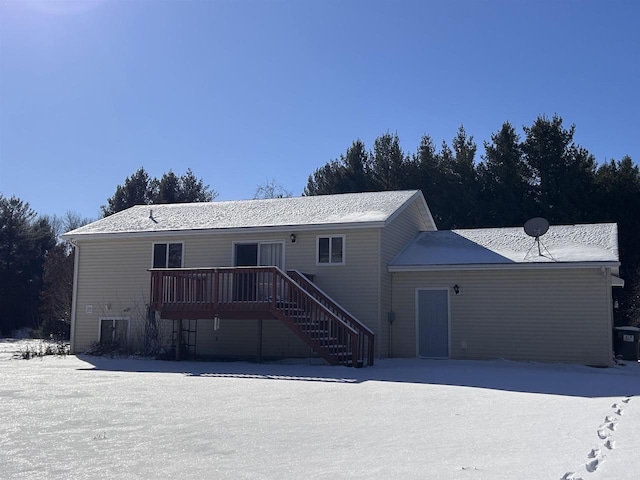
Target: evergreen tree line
x=36 y=266
x=543 y=173
x=141 y=189
x=36 y=269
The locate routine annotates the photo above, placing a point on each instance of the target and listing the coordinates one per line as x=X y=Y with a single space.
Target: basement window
x=114 y=331
x=330 y=250
x=167 y=255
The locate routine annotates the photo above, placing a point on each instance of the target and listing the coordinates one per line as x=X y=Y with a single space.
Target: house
x=344 y=277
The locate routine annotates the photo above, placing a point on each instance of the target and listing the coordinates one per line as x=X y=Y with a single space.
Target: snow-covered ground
x=90 y=418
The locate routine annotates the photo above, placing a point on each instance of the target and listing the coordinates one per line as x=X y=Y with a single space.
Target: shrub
x=44 y=348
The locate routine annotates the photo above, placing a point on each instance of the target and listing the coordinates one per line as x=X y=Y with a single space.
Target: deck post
x=355 y=355
x=259 y=352
x=216 y=286
x=179 y=340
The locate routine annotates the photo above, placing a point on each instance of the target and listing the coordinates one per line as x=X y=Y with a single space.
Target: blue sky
x=246 y=91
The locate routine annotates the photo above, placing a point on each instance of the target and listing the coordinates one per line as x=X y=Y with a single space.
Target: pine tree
x=194 y=190
x=563 y=173
x=136 y=190
x=24 y=243
x=352 y=172
x=388 y=163
x=426 y=168
x=504 y=181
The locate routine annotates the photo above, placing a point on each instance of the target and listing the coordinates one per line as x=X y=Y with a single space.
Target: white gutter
x=501 y=266
x=220 y=231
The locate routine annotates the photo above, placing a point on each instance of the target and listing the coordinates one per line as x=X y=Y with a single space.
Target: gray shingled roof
x=353 y=208
x=562 y=243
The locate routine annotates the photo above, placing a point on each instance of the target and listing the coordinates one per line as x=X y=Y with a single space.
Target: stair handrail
x=354 y=333
x=349 y=318
x=327 y=310
x=307 y=285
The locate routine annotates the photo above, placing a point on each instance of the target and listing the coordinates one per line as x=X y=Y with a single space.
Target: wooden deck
x=264 y=293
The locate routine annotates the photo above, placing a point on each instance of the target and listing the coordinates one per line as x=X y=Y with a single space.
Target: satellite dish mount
x=536 y=227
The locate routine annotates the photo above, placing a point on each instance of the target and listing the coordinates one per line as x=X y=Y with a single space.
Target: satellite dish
x=536 y=227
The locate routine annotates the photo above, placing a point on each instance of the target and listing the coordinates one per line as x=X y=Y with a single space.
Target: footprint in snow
x=610 y=444
x=609 y=418
x=619 y=411
x=570 y=476
x=594 y=453
x=615 y=405
x=602 y=434
x=593 y=465
x=612 y=426
x=626 y=400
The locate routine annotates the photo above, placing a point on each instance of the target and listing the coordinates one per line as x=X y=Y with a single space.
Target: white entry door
x=433 y=323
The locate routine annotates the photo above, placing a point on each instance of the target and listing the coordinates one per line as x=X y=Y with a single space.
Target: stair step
x=321 y=336
x=338 y=349
x=317 y=328
x=310 y=325
x=294 y=312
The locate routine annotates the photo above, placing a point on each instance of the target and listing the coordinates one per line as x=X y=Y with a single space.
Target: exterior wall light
x=293 y=238
x=456 y=289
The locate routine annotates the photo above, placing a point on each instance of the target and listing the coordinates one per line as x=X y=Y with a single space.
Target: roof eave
x=218 y=231
x=501 y=266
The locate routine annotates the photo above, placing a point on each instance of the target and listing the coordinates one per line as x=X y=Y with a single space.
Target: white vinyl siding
x=393 y=238
x=560 y=315
x=113 y=278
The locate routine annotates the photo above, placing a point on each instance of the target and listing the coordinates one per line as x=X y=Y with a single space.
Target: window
x=167 y=255
x=114 y=331
x=331 y=250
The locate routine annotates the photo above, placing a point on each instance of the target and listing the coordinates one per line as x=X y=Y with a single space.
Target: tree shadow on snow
x=551 y=379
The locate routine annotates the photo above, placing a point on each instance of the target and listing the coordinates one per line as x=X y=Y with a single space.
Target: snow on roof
x=350 y=208
x=562 y=243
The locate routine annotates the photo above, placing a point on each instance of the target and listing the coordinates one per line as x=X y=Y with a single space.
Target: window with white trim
x=330 y=250
x=167 y=255
x=114 y=331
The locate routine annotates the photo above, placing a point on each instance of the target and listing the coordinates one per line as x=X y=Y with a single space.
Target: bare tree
x=271 y=189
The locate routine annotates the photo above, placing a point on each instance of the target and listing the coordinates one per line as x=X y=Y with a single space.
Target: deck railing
x=241 y=292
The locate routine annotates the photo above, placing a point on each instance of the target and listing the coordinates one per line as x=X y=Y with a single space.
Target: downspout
x=609 y=287
x=378 y=348
x=74 y=295
x=391 y=318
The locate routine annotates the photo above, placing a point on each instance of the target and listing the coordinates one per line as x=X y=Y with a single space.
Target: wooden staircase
x=260 y=293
